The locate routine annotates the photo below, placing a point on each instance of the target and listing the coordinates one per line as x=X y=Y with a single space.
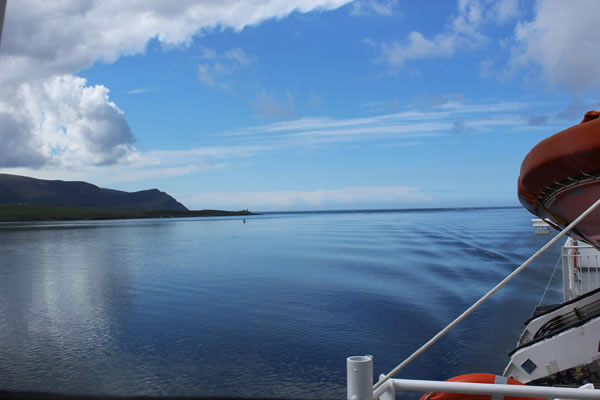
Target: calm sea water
x=268 y=308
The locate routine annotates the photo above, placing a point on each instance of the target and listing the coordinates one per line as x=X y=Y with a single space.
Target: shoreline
x=27 y=213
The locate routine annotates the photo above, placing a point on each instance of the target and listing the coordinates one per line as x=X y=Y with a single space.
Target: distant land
x=15 y=189
x=27 y=199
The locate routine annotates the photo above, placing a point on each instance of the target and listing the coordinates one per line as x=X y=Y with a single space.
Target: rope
x=479 y=302
x=550 y=280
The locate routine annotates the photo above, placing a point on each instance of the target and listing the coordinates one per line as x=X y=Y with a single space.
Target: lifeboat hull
x=560 y=178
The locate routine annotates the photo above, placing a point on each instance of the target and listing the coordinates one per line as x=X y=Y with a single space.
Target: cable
x=550 y=281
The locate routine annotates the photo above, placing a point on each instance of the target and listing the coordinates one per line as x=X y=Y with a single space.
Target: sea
x=265 y=306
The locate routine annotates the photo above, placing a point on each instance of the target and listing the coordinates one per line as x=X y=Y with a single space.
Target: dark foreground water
x=268 y=308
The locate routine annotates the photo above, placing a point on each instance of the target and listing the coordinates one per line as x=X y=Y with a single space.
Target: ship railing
x=581 y=268
x=360 y=386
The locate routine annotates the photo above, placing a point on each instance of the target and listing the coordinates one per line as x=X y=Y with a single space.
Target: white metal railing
x=581 y=269
x=360 y=386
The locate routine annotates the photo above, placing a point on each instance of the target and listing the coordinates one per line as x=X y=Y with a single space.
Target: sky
x=293 y=104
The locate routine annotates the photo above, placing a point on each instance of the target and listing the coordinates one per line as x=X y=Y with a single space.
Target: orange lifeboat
x=476 y=378
x=560 y=178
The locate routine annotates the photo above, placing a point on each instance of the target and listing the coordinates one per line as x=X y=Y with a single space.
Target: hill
x=15 y=189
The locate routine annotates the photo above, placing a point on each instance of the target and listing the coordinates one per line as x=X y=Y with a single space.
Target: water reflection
x=63 y=295
x=182 y=307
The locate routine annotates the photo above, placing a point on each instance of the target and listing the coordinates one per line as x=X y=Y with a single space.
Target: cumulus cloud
x=560 y=43
x=18 y=147
x=70 y=35
x=49 y=116
x=61 y=121
x=463 y=31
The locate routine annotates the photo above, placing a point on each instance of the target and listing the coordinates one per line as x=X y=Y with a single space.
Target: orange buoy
x=476 y=378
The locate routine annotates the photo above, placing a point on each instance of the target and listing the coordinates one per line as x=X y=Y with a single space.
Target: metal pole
x=359 y=370
x=566 y=270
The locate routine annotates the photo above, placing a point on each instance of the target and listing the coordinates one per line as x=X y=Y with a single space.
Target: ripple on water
x=180 y=307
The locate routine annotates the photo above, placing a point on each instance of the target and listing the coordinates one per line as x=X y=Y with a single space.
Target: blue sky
x=293 y=105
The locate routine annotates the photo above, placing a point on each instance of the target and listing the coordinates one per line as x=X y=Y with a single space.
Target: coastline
x=22 y=213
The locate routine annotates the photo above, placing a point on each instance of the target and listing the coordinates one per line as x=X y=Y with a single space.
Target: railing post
x=390 y=393
x=568 y=275
x=359 y=370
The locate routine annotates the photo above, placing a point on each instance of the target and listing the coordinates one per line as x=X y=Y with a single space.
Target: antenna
x=2 y=12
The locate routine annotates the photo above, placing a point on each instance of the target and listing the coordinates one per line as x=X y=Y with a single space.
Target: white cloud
x=52 y=38
x=110 y=175
x=150 y=165
x=464 y=31
x=208 y=53
x=145 y=174
x=439 y=120
x=401 y=129
x=217 y=69
x=238 y=55
x=45 y=43
x=373 y=7
x=499 y=107
x=560 y=42
x=203 y=154
x=207 y=76
x=503 y=11
x=422 y=129
x=416 y=47
x=351 y=197
x=140 y=90
x=61 y=121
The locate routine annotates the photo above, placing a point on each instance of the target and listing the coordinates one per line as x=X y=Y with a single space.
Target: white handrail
x=493 y=389
x=469 y=310
x=360 y=381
